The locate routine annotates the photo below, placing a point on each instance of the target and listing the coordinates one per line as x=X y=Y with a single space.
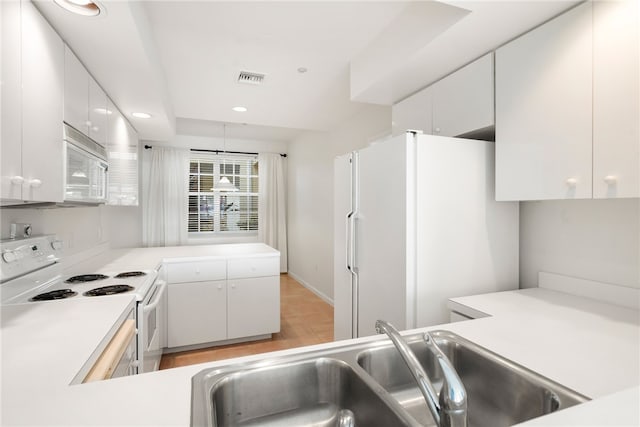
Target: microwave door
x=85 y=176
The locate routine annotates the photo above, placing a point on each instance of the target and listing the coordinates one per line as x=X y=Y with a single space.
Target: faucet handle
x=453 y=396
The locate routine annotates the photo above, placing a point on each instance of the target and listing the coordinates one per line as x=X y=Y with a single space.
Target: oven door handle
x=163 y=287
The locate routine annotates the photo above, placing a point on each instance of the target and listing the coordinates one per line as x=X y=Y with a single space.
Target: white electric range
x=31 y=273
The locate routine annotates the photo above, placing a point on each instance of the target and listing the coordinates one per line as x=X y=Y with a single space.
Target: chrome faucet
x=450 y=409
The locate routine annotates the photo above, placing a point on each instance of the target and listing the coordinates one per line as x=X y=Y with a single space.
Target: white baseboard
x=605 y=292
x=311 y=288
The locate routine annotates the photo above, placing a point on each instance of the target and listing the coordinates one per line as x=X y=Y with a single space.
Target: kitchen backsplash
x=81 y=228
x=589 y=239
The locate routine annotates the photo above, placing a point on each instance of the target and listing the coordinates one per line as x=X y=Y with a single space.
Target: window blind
x=212 y=211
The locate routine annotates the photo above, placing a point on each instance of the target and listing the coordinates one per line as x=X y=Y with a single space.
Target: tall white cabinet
x=32 y=97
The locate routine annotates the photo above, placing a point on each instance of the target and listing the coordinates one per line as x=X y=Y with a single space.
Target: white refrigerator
x=416 y=223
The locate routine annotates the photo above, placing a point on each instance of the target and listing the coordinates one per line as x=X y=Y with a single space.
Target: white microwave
x=86 y=168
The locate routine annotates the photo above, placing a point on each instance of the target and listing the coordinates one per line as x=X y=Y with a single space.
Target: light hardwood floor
x=305 y=319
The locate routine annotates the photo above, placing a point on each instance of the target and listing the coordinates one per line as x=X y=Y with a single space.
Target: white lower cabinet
x=197 y=312
x=253 y=306
x=219 y=299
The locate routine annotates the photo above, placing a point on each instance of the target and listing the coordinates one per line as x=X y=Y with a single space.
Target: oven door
x=151 y=329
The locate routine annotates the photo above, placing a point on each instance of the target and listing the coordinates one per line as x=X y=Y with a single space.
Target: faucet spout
x=450 y=408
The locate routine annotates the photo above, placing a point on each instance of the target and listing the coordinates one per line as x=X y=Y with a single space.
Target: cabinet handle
x=233 y=285
x=35 y=183
x=571 y=182
x=219 y=286
x=611 y=179
x=17 y=180
x=437 y=130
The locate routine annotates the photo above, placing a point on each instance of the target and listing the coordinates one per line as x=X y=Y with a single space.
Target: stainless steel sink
x=317 y=392
x=368 y=384
x=500 y=392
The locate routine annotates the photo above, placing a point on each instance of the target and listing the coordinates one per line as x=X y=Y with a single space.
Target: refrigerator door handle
x=351 y=234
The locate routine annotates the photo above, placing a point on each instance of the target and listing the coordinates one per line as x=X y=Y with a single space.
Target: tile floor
x=305 y=319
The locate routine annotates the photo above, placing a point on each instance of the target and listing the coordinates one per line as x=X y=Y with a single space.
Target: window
x=223 y=211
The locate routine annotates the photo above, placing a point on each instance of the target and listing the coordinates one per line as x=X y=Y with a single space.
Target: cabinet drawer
x=196 y=271
x=253 y=267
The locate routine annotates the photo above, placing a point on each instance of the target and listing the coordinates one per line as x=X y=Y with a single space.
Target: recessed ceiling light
x=239 y=109
x=302 y=70
x=80 y=7
x=141 y=115
x=103 y=111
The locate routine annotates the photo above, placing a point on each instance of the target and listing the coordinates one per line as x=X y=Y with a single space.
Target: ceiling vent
x=250 y=78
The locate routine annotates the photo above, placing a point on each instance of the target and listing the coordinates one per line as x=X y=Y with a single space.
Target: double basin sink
x=368 y=384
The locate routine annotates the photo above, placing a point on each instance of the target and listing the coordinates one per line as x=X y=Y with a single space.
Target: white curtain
x=272 y=218
x=168 y=197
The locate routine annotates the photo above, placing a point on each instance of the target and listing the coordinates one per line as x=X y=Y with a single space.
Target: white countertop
x=590 y=347
x=151 y=258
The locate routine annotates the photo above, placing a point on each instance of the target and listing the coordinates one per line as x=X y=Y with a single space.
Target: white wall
x=310 y=193
x=591 y=239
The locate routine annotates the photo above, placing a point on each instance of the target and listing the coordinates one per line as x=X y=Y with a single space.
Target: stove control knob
x=9 y=256
x=56 y=245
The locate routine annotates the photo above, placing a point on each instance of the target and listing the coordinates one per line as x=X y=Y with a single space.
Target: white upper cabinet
x=11 y=179
x=463 y=101
x=616 y=105
x=413 y=113
x=85 y=103
x=76 y=92
x=458 y=104
x=97 y=113
x=544 y=111
x=42 y=106
x=122 y=152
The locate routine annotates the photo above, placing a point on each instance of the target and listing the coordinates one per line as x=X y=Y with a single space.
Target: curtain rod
x=148 y=147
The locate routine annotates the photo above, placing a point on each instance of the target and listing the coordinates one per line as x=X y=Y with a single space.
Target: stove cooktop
x=39 y=287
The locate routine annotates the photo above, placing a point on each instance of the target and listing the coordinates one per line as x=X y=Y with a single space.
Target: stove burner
x=58 y=294
x=108 y=290
x=86 y=278
x=130 y=274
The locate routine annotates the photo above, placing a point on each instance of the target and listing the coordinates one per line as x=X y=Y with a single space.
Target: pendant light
x=224 y=184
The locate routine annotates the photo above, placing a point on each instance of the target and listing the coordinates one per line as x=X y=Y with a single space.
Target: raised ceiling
x=180 y=59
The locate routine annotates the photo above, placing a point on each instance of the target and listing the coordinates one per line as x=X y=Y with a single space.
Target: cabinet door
x=197 y=313
x=42 y=106
x=253 y=306
x=412 y=113
x=11 y=147
x=544 y=110
x=616 y=104
x=122 y=149
x=97 y=113
x=76 y=92
x=463 y=101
